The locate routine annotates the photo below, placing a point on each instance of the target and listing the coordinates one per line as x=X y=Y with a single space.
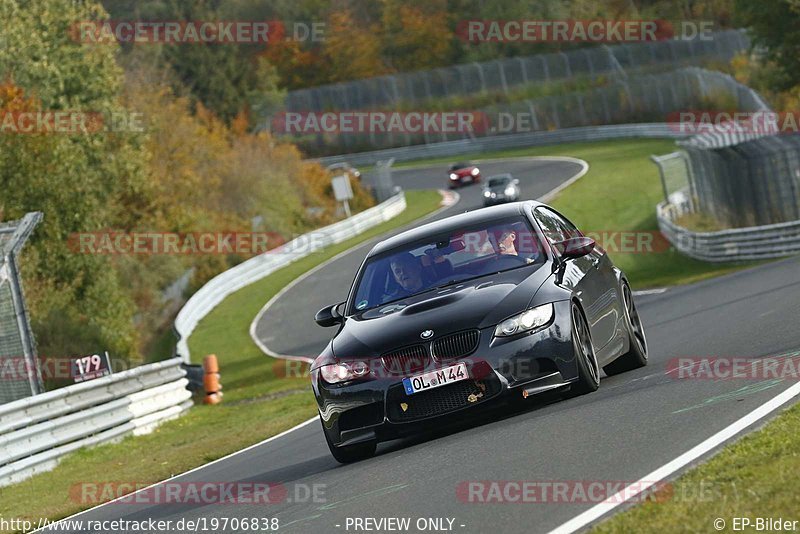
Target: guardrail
x=254 y=269
x=36 y=432
x=499 y=142
x=738 y=244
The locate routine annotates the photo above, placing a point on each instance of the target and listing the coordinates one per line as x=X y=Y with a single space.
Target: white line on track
x=54 y=526
x=657 y=291
x=630 y=492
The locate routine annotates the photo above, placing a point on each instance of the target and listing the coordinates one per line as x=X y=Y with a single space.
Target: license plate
x=435 y=379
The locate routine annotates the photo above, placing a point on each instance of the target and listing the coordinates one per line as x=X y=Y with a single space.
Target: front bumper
x=379 y=409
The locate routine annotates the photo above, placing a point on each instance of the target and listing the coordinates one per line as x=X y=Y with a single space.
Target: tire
x=350 y=453
x=588 y=370
x=636 y=356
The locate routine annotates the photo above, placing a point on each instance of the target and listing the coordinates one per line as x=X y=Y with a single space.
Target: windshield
x=458 y=166
x=492 y=247
x=498 y=182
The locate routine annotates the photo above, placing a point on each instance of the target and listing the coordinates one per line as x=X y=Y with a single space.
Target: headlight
x=453 y=176
x=525 y=321
x=487 y=194
x=342 y=372
x=509 y=191
x=475 y=171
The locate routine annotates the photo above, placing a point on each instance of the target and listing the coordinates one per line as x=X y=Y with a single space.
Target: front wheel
x=637 y=354
x=350 y=453
x=588 y=369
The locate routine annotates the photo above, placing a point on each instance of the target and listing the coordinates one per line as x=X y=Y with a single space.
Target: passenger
x=506 y=244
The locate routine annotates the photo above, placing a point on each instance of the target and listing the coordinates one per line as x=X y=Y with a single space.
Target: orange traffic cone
x=211 y=380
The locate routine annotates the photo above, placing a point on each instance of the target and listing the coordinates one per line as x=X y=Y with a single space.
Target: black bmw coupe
x=503 y=302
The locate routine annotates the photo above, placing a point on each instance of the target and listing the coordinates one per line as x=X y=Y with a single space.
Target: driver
x=407 y=272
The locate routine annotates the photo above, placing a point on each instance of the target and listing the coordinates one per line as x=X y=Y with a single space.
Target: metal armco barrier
x=36 y=432
x=738 y=244
x=501 y=142
x=254 y=269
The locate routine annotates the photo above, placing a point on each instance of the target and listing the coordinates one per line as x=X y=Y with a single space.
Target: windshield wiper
x=454 y=281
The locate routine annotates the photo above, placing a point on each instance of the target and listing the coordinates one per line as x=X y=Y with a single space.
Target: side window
x=570 y=229
x=552 y=227
x=555 y=227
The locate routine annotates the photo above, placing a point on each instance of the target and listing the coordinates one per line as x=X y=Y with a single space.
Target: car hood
x=478 y=303
x=463 y=172
x=497 y=188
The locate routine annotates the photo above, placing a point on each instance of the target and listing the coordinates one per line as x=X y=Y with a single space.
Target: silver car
x=500 y=188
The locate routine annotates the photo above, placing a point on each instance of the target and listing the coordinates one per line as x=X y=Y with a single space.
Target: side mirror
x=329 y=316
x=515 y=181
x=576 y=247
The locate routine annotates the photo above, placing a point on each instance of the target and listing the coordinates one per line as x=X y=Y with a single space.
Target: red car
x=463 y=173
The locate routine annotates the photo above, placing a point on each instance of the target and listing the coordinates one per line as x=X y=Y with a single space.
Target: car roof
x=452 y=224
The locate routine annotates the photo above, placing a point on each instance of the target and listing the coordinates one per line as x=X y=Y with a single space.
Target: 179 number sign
x=90 y=367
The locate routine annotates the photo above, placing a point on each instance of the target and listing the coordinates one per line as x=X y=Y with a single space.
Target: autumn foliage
x=186 y=170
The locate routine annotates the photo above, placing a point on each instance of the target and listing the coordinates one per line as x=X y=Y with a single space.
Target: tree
x=74 y=179
x=352 y=50
x=415 y=37
x=775 y=26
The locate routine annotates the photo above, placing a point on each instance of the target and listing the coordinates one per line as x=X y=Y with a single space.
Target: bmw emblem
x=426 y=334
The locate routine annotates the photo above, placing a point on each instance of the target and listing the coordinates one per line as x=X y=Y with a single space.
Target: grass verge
x=754 y=477
x=258 y=403
x=618 y=194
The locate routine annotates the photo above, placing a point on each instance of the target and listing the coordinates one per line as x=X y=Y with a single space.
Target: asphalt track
x=633 y=424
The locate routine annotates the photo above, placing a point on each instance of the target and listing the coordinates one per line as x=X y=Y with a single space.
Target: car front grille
x=406 y=360
x=439 y=401
x=456 y=345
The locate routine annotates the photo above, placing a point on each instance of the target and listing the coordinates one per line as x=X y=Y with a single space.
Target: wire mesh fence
x=739 y=184
x=643 y=98
x=513 y=75
x=748 y=184
x=19 y=371
x=674 y=172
